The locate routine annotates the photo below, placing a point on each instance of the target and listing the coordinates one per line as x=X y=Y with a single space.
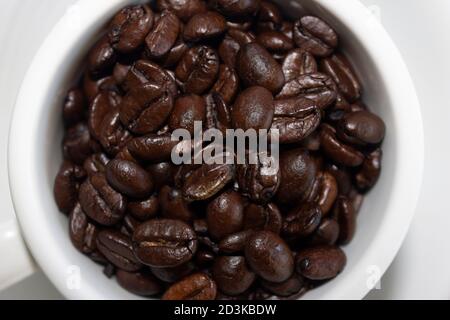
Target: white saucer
x=422 y=268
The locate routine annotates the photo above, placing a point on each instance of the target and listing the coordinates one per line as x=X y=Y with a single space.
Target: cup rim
x=352 y=13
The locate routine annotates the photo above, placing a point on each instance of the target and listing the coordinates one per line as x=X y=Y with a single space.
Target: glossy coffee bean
x=298 y=172
x=141 y=283
x=144 y=210
x=77 y=144
x=129 y=28
x=129 y=179
x=302 y=221
x=92 y=87
x=343 y=178
x=162 y=173
x=184 y=9
x=198 y=286
x=152 y=148
x=239 y=8
x=218 y=115
x=269 y=256
x=253 y=109
x=113 y=136
x=235 y=243
x=67 y=183
x=164 y=35
x=101 y=202
x=370 y=171
x=82 y=232
x=198 y=69
x=104 y=103
x=361 y=128
x=225 y=215
x=267 y=217
x=315 y=35
x=298 y=62
x=270 y=12
x=173 y=205
x=295 y=285
x=205 y=26
x=232 y=43
x=187 y=110
x=320 y=262
x=101 y=57
x=256 y=67
x=74 y=107
x=346 y=217
x=164 y=243
x=227 y=84
x=173 y=57
x=275 y=41
x=326 y=234
x=172 y=275
x=232 y=275
x=327 y=192
x=96 y=163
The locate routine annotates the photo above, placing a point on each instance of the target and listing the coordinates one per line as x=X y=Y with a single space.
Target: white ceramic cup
x=36 y=133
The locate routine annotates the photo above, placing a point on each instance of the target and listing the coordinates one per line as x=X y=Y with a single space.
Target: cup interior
x=381 y=226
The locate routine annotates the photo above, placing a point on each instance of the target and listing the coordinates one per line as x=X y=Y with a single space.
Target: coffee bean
x=83 y=233
x=101 y=57
x=370 y=171
x=187 y=110
x=326 y=234
x=104 y=103
x=141 y=283
x=77 y=144
x=174 y=274
x=327 y=192
x=162 y=173
x=164 y=35
x=321 y=262
x=198 y=286
x=218 y=115
x=295 y=285
x=113 y=136
x=239 y=8
x=235 y=243
x=92 y=87
x=346 y=217
x=361 y=128
x=96 y=163
x=270 y=12
x=184 y=9
x=298 y=62
x=205 y=26
x=152 y=148
x=173 y=205
x=164 y=243
x=144 y=210
x=253 y=109
x=302 y=221
x=66 y=186
x=74 y=107
x=275 y=41
x=316 y=36
x=232 y=275
x=225 y=215
x=231 y=44
x=227 y=84
x=263 y=218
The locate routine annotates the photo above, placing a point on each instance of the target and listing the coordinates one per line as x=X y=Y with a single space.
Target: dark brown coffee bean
x=357 y=200
x=129 y=28
x=346 y=217
x=113 y=136
x=184 y=9
x=232 y=275
x=120 y=72
x=326 y=234
x=270 y=12
x=336 y=150
x=101 y=202
x=104 y=103
x=144 y=210
x=164 y=243
x=298 y=172
x=321 y=262
x=267 y=217
x=361 y=128
x=231 y=44
x=118 y=249
x=101 y=57
x=74 y=107
x=367 y=176
x=129 y=179
x=295 y=285
x=198 y=286
x=227 y=84
x=96 y=164
x=253 y=109
x=77 y=144
x=327 y=192
x=312 y=142
x=269 y=256
x=238 y=8
x=129 y=225
x=187 y=110
x=205 y=258
x=164 y=35
x=82 y=232
x=298 y=62
x=67 y=183
x=316 y=36
x=162 y=173
x=208 y=180
x=205 y=26
x=340 y=70
x=301 y=221
x=198 y=69
x=256 y=67
x=92 y=88
x=343 y=178
x=275 y=41
x=235 y=243
x=173 y=205
x=172 y=275
x=153 y=148
x=218 y=115
x=225 y=215
x=141 y=283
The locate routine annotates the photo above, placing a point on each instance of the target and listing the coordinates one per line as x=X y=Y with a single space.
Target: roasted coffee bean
x=269 y=256
x=357 y=200
x=315 y=35
x=343 y=178
x=339 y=152
x=101 y=57
x=270 y=12
x=129 y=225
x=152 y=148
x=235 y=243
x=144 y=210
x=205 y=26
x=227 y=84
x=301 y=221
x=172 y=275
x=118 y=249
x=340 y=70
x=120 y=72
x=208 y=243
x=320 y=262
x=82 y=232
x=198 y=286
x=253 y=109
x=239 y=8
x=66 y=186
x=164 y=243
x=164 y=35
x=267 y=217
x=129 y=178
x=218 y=115
x=91 y=87
x=142 y=283
x=312 y=142
x=96 y=164
x=198 y=69
x=298 y=62
x=173 y=205
x=256 y=67
x=275 y=41
x=184 y=9
x=162 y=173
x=370 y=171
x=74 y=108
x=326 y=234
x=206 y=181
x=295 y=285
x=124 y=154
x=101 y=202
x=232 y=43
x=173 y=57
x=298 y=172
x=361 y=128
x=316 y=86
x=346 y=217
x=129 y=28
x=113 y=136
x=205 y=258
x=104 y=103
x=187 y=110
x=225 y=215
x=232 y=275
x=327 y=192
x=77 y=144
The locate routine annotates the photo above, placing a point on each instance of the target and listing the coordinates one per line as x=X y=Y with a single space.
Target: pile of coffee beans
x=216 y=231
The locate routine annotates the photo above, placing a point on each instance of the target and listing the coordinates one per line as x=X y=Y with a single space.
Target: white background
x=421 y=29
